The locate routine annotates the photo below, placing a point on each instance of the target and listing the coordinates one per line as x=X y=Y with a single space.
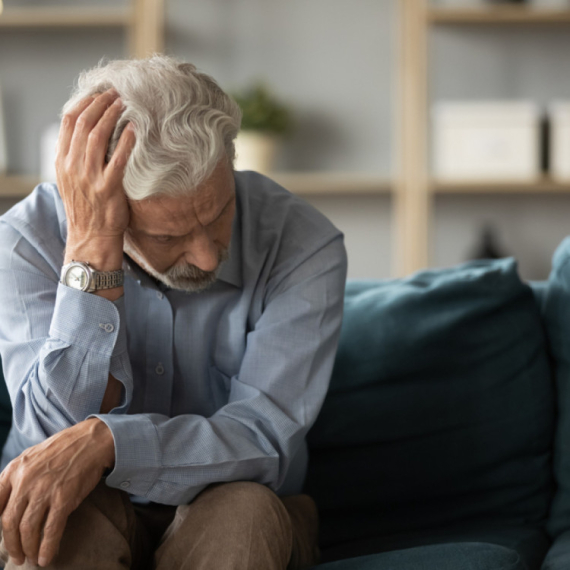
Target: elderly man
x=167 y=328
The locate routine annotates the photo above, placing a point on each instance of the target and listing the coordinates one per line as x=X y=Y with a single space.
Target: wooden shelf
x=327 y=183
x=542 y=186
x=497 y=15
x=65 y=17
x=302 y=183
x=17 y=186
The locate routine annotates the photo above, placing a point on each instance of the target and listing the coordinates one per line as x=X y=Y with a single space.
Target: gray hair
x=184 y=122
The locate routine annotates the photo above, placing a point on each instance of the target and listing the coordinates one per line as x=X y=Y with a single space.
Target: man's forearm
x=103 y=255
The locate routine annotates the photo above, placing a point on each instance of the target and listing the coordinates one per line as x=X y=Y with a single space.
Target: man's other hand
x=46 y=483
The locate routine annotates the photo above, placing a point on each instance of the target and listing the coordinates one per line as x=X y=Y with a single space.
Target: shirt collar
x=231 y=271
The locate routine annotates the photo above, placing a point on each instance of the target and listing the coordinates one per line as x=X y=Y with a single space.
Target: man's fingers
x=11 y=529
x=116 y=168
x=31 y=529
x=85 y=123
x=53 y=532
x=5 y=490
x=98 y=139
x=67 y=126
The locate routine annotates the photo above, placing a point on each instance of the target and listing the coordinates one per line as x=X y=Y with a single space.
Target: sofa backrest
x=555 y=310
x=440 y=408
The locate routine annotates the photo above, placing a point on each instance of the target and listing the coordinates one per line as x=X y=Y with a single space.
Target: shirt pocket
x=220 y=385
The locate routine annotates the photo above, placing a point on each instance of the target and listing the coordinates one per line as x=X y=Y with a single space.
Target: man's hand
x=46 y=483
x=92 y=191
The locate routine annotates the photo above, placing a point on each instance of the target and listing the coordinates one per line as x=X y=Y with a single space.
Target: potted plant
x=264 y=123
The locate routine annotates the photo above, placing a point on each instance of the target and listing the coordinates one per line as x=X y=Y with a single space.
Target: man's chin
x=188 y=279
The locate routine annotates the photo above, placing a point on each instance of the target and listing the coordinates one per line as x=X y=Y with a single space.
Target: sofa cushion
x=455 y=556
x=530 y=544
x=556 y=315
x=440 y=407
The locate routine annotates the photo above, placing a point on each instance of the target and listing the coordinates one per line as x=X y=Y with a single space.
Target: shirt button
x=159 y=369
x=125 y=484
x=159 y=295
x=107 y=327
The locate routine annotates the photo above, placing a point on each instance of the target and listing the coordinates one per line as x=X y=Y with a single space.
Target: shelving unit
x=17 y=186
x=543 y=186
x=26 y=18
x=499 y=15
x=142 y=21
x=415 y=189
x=302 y=183
x=330 y=183
x=412 y=190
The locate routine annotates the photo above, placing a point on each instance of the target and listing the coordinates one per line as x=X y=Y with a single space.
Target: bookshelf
x=412 y=189
x=497 y=16
x=415 y=188
x=29 y=18
x=141 y=20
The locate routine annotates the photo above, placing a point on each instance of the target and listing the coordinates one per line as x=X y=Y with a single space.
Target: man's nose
x=203 y=252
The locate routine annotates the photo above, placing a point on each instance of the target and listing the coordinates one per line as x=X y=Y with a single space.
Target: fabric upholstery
x=556 y=316
x=458 y=556
x=440 y=408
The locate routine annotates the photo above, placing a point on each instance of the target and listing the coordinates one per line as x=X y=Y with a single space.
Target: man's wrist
x=102 y=254
x=104 y=438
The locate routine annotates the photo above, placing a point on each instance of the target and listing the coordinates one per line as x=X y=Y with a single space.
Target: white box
x=559 y=115
x=486 y=141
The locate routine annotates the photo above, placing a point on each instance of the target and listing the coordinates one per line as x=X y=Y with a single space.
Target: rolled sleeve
x=137 y=452
x=89 y=321
x=58 y=345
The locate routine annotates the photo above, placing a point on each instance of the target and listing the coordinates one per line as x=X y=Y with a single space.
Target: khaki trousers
x=239 y=526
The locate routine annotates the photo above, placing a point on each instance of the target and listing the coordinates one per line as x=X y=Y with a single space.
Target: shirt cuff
x=137 y=452
x=90 y=321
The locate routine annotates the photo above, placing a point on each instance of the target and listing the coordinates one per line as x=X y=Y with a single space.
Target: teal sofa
x=441 y=443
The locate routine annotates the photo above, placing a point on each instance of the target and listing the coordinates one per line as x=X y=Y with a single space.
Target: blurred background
x=430 y=133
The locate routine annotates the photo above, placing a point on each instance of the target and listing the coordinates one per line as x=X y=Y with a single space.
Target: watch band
x=108 y=279
x=94 y=280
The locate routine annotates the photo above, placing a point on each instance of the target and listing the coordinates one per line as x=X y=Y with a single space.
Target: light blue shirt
x=220 y=385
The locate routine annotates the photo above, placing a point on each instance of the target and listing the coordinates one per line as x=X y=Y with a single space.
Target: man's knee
x=99 y=532
x=241 y=502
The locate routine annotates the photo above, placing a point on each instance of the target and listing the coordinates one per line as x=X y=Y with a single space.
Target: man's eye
x=162 y=239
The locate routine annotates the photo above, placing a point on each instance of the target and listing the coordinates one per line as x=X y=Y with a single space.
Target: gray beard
x=186 y=277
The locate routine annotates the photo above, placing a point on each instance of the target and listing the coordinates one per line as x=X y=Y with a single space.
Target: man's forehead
x=179 y=214
x=199 y=207
x=161 y=212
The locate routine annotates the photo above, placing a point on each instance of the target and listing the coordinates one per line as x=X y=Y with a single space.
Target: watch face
x=76 y=277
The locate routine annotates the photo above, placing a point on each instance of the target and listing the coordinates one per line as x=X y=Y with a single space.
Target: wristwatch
x=80 y=275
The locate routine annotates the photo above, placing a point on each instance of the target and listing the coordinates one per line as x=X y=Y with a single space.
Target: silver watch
x=80 y=275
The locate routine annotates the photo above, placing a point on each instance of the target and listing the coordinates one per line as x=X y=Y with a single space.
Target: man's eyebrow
x=228 y=203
